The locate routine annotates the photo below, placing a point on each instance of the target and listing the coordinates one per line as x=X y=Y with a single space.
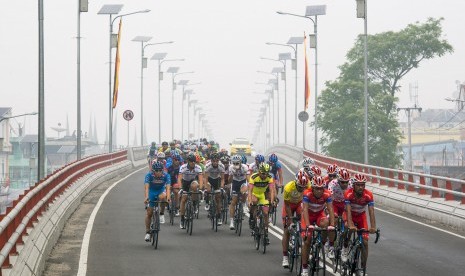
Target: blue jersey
x=157 y=185
x=274 y=169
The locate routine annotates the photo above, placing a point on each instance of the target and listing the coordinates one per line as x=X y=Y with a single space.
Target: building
x=5 y=146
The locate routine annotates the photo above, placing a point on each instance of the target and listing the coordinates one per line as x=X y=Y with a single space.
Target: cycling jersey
x=291 y=194
x=337 y=192
x=275 y=167
x=358 y=205
x=173 y=172
x=253 y=168
x=189 y=174
x=260 y=184
x=239 y=174
x=152 y=151
x=316 y=205
x=213 y=172
x=157 y=185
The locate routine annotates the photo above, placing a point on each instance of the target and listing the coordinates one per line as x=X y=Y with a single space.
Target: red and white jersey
x=337 y=192
x=316 y=205
x=358 y=205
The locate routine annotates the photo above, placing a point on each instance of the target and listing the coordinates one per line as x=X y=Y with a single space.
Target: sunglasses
x=236 y=163
x=157 y=170
x=359 y=184
x=343 y=182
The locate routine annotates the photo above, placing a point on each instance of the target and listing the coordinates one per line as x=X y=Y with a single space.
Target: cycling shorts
x=261 y=198
x=215 y=183
x=186 y=185
x=360 y=220
x=296 y=210
x=339 y=208
x=314 y=218
x=154 y=196
x=236 y=186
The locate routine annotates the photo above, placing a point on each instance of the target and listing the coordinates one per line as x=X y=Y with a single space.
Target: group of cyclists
x=316 y=199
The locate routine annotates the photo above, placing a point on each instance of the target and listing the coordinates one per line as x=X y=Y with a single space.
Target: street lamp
x=275 y=73
x=184 y=92
x=83 y=7
x=314 y=10
x=142 y=40
x=161 y=59
x=296 y=41
x=174 y=74
x=362 y=13
x=110 y=10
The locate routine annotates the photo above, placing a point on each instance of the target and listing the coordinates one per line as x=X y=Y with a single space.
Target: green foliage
x=391 y=55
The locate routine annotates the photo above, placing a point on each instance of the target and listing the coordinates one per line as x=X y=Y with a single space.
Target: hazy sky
x=220 y=40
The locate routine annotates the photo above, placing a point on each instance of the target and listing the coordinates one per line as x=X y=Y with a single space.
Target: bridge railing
x=424 y=184
x=26 y=209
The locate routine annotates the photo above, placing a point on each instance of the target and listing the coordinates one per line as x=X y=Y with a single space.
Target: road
x=117 y=247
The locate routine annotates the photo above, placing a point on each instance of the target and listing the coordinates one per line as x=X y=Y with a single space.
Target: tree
x=391 y=55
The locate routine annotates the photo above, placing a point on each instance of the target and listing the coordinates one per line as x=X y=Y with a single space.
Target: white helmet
x=308 y=162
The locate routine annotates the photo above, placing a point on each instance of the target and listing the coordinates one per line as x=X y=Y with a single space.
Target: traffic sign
x=303 y=116
x=128 y=115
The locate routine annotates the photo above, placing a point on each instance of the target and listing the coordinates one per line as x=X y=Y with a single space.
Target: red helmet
x=332 y=169
x=344 y=175
x=318 y=181
x=360 y=178
x=302 y=179
x=316 y=171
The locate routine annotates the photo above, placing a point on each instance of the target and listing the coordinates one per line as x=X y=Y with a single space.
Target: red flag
x=117 y=62
x=307 y=78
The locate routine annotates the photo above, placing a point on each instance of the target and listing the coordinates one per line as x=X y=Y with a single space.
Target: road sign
x=128 y=115
x=303 y=116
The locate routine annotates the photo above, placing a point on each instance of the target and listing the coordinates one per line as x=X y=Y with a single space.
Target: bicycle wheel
x=298 y=256
x=357 y=263
x=257 y=235
x=188 y=215
x=172 y=209
x=156 y=227
x=264 y=241
x=239 y=219
x=196 y=209
x=274 y=215
x=191 y=222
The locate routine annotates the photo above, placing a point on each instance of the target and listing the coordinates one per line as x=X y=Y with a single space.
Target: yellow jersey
x=291 y=194
x=259 y=184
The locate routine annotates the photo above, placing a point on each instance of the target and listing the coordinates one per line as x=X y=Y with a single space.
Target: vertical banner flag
x=117 y=62
x=307 y=79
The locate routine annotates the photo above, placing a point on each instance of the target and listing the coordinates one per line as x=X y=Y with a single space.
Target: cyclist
x=151 y=155
x=157 y=185
x=331 y=171
x=190 y=175
x=214 y=180
x=337 y=187
x=238 y=174
x=292 y=195
x=356 y=200
x=173 y=171
x=314 y=201
x=164 y=146
x=253 y=168
x=276 y=170
x=258 y=184
x=161 y=158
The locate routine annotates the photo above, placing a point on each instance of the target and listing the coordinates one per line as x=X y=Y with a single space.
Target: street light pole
x=408 y=110
x=82 y=7
x=174 y=74
x=41 y=119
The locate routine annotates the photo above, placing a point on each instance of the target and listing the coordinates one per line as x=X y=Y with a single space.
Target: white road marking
x=85 y=241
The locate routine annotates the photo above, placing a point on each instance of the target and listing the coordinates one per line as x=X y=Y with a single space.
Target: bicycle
x=238 y=214
x=294 y=250
x=190 y=211
x=172 y=208
x=356 y=248
x=225 y=203
x=341 y=232
x=260 y=233
x=272 y=214
x=155 y=221
x=212 y=210
x=317 y=261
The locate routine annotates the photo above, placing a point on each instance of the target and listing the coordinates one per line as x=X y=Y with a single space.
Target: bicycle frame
x=294 y=250
x=155 y=221
x=356 y=249
x=260 y=232
x=190 y=211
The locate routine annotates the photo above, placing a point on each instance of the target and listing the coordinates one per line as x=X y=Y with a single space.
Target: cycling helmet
x=161 y=155
x=153 y=144
x=273 y=158
x=344 y=175
x=308 y=162
x=172 y=143
x=175 y=155
x=191 y=157
x=225 y=159
x=305 y=172
x=164 y=143
x=244 y=159
x=264 y=168
x=259 y=158
x=302 y=179
x=332 y=170
x=212 y=142
x=318 y=181
x=157 y=166
x=316 y=171
x=193 y=147
x=214 y=156
x=359 y=178
x=236 y=159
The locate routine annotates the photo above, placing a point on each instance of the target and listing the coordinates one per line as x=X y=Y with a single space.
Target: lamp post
x=83 y=7
x=161 y=59
x=408 y=110
x=362 y=13
x=189 y=103
x=142 y=40
x=174 y=74
x=314 y=10
x=110 y=10
x=296 y=41
x=272 y=105
x=275 y=73
x=184 y=92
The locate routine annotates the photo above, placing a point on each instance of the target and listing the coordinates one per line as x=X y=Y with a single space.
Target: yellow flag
x=307 y=78
x=117 y=62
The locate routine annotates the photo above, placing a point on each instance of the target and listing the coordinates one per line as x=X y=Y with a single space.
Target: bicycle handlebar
x=363 y=230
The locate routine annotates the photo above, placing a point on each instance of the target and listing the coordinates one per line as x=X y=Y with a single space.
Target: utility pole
x=408 y=110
